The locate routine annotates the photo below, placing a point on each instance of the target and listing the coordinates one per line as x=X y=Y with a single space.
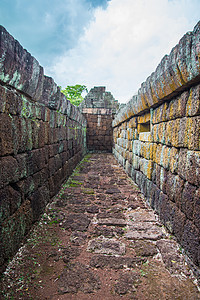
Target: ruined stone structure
x=99 y=108
x=42 y=138
x=156 y=139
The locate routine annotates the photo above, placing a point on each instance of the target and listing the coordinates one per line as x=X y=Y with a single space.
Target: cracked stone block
x=144 y=248
x=144 y=230
x=106 y=246
x=108 y=231
x=112 y=222
x=78 y=222
x=113 y=262
x=76 y=277
x=142 y=215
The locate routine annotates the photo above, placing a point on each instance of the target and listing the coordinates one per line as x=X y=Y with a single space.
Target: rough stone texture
x=99 y=108
x=106 y=246
x=42 y=138
x=156 y=140
x=76 y=278
x=99 y=263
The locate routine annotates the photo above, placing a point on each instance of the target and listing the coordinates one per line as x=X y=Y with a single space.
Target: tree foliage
x=74 y=93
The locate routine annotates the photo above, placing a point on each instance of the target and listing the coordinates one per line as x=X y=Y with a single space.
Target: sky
x=112 y=43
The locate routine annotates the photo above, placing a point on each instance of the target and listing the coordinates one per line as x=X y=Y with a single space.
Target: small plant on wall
x=74 y=93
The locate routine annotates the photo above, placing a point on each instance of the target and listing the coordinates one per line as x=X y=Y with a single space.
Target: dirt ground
x=99 y=240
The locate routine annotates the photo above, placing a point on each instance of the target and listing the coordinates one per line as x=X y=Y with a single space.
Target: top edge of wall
x=176 y=72
x=20 y=70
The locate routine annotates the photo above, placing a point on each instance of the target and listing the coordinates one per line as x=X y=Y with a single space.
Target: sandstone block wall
x=42 y=138
x=99 y=129
x=157 y=140
x=99 y=108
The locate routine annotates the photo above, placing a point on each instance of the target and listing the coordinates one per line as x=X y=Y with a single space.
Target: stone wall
x=42 y=138
x=99 y=108
x=157 y=140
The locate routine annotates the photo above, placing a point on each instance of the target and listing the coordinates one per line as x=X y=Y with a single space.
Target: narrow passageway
x=99 y=240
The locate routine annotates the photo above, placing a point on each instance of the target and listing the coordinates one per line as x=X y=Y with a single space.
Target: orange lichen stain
x=155 y=133
x=175 y=80
x=189 y=104
x=184 y=75
x=168 y=133
x=154 y=150
x=165 y=156
x=144 y=118
x=129 y=112
x=192 y=134
x=144 y=101
x=161 y=132
x=173 y=163
x=158 y=154
x=149 y=169
x=175 y=131
x=172 y=110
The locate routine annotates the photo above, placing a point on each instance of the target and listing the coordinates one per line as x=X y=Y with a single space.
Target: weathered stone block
x=174 y=188
x=196 y=214
x=178 y=224
x=137 y=147
x=19 y=68
x=187 y=200
x=163 y=156
x=177 y=106
x=132 y=123
x=167 y=212
x=189 y=166
x=193 y=103
x=190 y=241
x=144 y=118
x=163 y=179
x=4 y=204
x=9 y=171
x=193 y=133
x=39 y=200
x=146 y=167
x=145 y=136
x=11 y=236
x=173 y=161
x=6 y=133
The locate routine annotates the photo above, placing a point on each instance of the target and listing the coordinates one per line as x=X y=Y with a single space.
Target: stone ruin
x=155 y=137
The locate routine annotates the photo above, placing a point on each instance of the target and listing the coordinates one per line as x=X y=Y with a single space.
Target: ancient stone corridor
x=99 y=240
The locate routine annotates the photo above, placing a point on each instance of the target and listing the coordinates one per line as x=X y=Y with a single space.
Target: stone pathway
x=107 y=244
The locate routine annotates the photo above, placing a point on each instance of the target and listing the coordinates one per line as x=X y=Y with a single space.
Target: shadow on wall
x=42 y=138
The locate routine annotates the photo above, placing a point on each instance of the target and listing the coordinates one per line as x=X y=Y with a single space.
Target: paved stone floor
x=99 y=240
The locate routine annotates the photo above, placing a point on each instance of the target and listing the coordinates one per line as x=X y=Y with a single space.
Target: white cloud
x=124 y=44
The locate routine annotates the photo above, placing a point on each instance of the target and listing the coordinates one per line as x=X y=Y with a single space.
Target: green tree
x=73 y=93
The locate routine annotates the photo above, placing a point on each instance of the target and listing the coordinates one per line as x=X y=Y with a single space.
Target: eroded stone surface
x=127 y=282
x=106 y=246
x=128 y=256
x=144 y=248
x=76 y=222
x=102 y=261
x=76 y=277
x=144 y=230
